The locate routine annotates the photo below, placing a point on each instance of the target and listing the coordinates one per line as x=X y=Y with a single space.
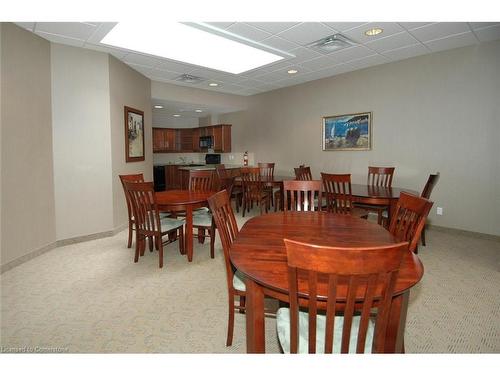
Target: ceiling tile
x=248 y=32
x=439 y=30
x=174 y=66
x=119 y=54
x=54 y=38
x=280 y=43
x=351 y=53
x=406 y=52
x=413 y=25
x=368 y=61
x=344 y=26
x=392 y=42
x=251 y=83
x=221 y=25
x=138 y=59
x=283 y=73
x=319 y=63
x=454 y=41
x=26 y=25
x=306 y=33
x=273 y=27
x=78 y=30
x=165 y=74
x=358 y=34
x=488 y=33
x=481 y=25
x=303 y=54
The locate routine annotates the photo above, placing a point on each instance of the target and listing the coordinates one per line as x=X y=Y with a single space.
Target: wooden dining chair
x=228 y=230
x=202 y=218
x=378 y=177
x=253 y=190
x=148 y=224
x=409 y=218
x=267 y=170
x=303 y=173
x=329 y=326
x=237 y=191
x=426 y=193
x=139 y=177
x=338 y=193
x=303 y=195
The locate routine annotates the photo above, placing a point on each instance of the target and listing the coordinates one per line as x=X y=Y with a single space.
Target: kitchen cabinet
x=188 y=139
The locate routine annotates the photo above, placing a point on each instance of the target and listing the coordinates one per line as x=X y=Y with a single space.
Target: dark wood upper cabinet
x=188 y=140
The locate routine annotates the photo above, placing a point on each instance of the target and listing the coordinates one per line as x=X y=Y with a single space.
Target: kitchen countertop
x=209 y=167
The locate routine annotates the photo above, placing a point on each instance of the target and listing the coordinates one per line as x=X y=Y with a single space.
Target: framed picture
x=352 y=132
x=134 y=135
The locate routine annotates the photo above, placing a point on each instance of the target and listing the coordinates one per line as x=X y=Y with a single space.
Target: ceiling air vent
x=331 y=44
x=187 y=78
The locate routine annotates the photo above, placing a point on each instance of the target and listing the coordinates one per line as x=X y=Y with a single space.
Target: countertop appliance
x=212 y=158
x=206 y=142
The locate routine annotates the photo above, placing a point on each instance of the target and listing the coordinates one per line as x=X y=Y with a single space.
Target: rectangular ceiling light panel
x=184 y=43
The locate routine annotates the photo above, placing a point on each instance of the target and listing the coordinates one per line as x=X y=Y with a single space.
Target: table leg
x=188 y=243
x=394 y=340
x=255 y=329
x=282 y=200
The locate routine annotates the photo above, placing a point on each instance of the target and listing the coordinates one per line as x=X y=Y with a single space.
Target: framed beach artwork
x=352 y=132
x=134 y=135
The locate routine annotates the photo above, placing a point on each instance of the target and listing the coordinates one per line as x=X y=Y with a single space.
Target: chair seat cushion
x=239 y=281
x=202 y=219
x=168 y=224
x=283 y=327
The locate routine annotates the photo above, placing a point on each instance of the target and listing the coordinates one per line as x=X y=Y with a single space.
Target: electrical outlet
x=439 y=211
x=231 y=157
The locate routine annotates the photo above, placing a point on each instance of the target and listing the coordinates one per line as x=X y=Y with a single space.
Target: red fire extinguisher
x=245 y=159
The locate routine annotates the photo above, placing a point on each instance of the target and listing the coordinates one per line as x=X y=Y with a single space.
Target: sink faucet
x=183 y=159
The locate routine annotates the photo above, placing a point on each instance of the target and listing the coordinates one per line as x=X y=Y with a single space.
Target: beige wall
x=27 y=192
x=82 y=141
x=438 y=112
x=127 y=88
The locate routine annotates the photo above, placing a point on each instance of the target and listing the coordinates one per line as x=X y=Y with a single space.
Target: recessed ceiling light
x=177 y=41
x=213 y=84
x=292 y=71
x=198 y=110
x=374 y=31
x=159 y=106
x=177 y=115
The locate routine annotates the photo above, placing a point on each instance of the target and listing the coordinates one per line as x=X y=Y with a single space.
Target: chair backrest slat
x=200 y=180
x=408 y=220
x=303 y=173
x=380 y=176
x=266 y=169
x=338 y=192
x=144 y=206
x=139 y=177
x=369 y=272
x=300 y=195
x=225 y=221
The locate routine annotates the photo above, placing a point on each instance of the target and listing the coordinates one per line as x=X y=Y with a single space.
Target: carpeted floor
x=91 y=298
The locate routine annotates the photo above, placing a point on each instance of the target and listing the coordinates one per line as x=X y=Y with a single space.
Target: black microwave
x=206 y=141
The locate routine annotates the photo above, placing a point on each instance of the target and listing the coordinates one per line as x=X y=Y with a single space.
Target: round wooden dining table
x=379 y=195
x=183 y=200
x=259 y=253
